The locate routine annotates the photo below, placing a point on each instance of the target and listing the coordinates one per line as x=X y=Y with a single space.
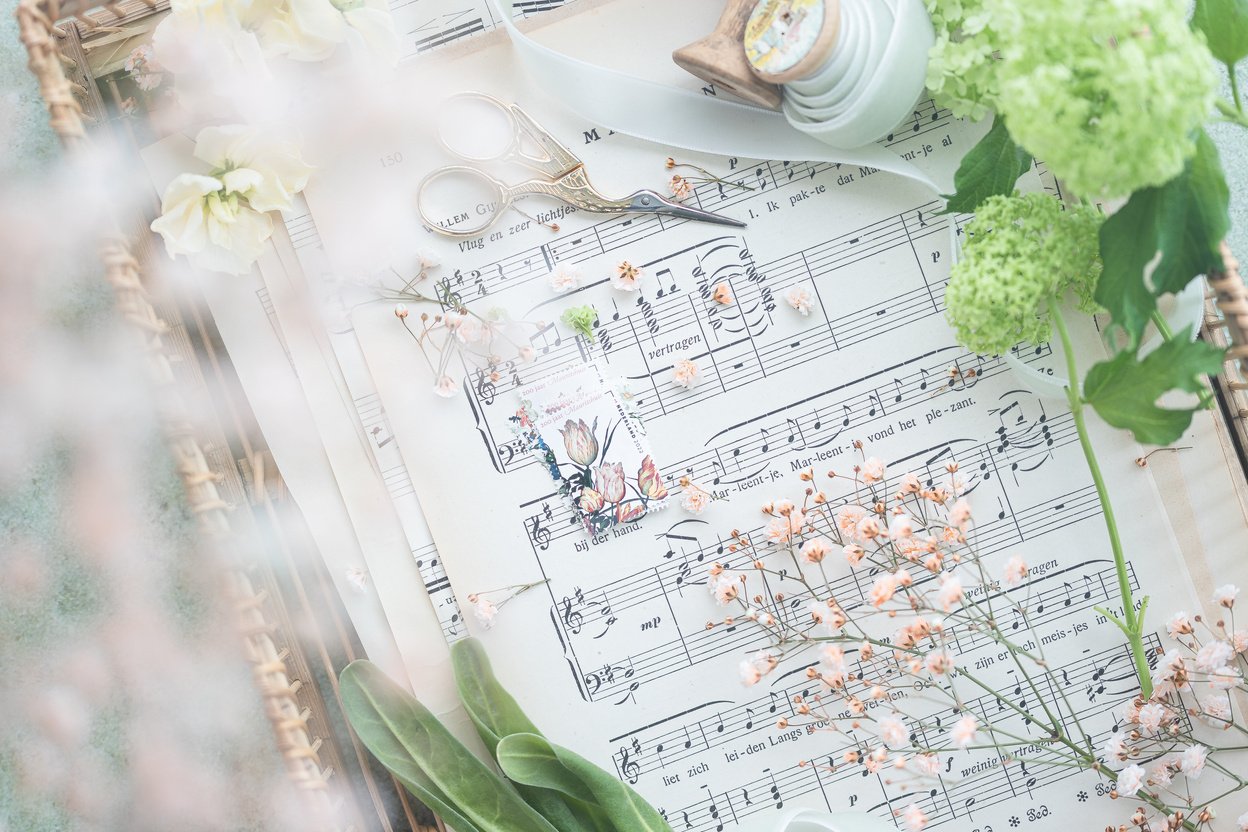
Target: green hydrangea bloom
x=962 y=65
x=1019 y=252
x=581 y=319
x=1107 y=93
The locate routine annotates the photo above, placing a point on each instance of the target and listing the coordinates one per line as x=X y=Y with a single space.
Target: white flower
x=427 y=259
x=485 y=611
x=1242 y=822
x=1224 y=678
x=1151 y=717
x=626 y=277
x=564 y=278
x=218 y=220
x=834 y=668
x=445 y=387
x=1213 y=655
x=1015 y=571
x=724 y=587
x=872 y=469
x=470 y=330
x=358 y=578
x=694 y=499
x=914 y=818
x=815 y=549
x=1192 y=760
x=685 y=373
x=963 y=732
x=893 y=731
x=1225 y=595
x=1162 y=773
x=1178 y=625
x=1129 y=780
x=312 y=30
x=950 y=594
x=1216 y=712
x=900 y=527
x=1116 y=746
x=800 y=299
x=960 y=514
x=755 y=668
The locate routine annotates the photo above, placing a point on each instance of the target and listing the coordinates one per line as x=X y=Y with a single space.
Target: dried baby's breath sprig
x=492 y=344
x=682 y=186
x=892 y=677
x=486 y=608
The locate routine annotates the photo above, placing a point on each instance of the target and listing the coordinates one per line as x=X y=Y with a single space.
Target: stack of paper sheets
x=612 y=656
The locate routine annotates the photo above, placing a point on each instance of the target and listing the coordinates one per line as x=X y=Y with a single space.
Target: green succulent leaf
x=1225 y=26
x=496 y=715
x=990 y=168
x=1124 y=390
x=409 y=741
x=535 y=761
x=1185 y=219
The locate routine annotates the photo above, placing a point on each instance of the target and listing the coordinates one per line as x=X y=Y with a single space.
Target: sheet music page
x=612 y=656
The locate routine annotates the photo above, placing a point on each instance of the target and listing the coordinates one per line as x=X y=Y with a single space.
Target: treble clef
x=572 y=618
x=629 y=767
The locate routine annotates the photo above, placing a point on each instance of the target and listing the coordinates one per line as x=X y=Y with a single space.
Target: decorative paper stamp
x=581 y=428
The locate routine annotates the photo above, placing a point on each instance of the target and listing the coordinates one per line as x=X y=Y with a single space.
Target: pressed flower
x=1213 y=655
x=485 y=611
x=1192 y=760
x=581 y=320
x=685 y=373
x=626 y=277
x=680 y=188
x=628 y=512
x=893 y=732
x=800 y=299
x=564 y=278
x=1179 y=625
x=722 y=293
x=694 y=499
x=914 y=817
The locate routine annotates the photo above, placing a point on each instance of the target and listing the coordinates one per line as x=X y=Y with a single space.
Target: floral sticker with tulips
x=593 y=445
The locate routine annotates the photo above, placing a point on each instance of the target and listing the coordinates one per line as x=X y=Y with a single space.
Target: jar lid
x=786 y=40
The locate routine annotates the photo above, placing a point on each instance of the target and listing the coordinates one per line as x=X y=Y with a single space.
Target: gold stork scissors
x=565 y=178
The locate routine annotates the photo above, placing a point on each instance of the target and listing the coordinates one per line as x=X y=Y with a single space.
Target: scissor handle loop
x=503 y=198
x=555 y=159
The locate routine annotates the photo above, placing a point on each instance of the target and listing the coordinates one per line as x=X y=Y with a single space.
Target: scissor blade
x=675 y=209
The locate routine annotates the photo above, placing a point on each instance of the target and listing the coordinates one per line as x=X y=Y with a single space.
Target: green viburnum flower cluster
x=962 y=66
x=1109 y=93
x=1019 y=252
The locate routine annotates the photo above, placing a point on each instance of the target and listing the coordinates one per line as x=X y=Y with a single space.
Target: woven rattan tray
x=228 y=476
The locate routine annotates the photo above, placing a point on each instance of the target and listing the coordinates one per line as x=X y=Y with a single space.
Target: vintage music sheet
x=611 y=656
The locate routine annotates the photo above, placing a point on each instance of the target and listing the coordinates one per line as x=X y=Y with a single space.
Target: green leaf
x=409 y=741
x=1125 y=389
x=1225 y=25
x=492 y=709
x=990 y=168
x=1194 y=220
x=1185 y=219
x=1128 y=243
x=496 y=714
x=535 y=761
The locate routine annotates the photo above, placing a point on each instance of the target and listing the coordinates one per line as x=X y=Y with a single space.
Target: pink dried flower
x=800 y=299
x=685 y=373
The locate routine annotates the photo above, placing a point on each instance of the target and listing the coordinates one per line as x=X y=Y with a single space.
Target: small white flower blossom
x=485 y=611
x=1178 y=625
x=1242 y=822
x=963 y=732
x=1129 y=780
x=445 y=387
x=1151 y=717
x=1213 y=655
x=358 y=578
x=1015 y=571
x=1225 y=595
x=872 y=470
x=1224 y=678
x=914 y=817
x=1215 y=712
x=1192 y=760
x=893 y=731
x=564 y=278
x=800 y=299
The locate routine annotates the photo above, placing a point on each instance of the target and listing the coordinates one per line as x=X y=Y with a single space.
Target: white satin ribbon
x=688 y=120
